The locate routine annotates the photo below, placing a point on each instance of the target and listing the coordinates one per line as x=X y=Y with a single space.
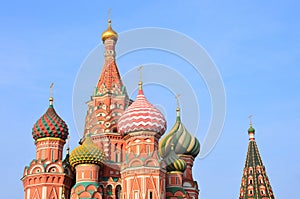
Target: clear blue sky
x=254 y=44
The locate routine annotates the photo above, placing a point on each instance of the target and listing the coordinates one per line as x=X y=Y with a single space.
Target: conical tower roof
x=255 y=182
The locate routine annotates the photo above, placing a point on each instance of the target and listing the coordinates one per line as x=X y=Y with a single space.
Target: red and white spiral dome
x=141 y=115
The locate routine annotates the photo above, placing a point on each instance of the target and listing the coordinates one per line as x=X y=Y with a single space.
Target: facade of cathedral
x=125 y=152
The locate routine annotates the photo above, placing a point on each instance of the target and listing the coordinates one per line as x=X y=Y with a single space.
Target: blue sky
x=254 y=44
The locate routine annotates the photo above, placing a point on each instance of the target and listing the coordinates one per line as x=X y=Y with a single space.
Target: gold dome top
x=109 y=33
x=87 y=153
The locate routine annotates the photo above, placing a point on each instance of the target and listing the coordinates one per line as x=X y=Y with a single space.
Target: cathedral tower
x=255 y=182
x=181 y=147
x=48 y=176
x=141 y=125
x=108 y=102
x=87 y=159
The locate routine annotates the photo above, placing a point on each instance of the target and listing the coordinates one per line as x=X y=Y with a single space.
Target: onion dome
x=251 y=129
x=173 y=162
x=50 y=125
x=184 y=142
x=109 y=33
x=87 y=153
x=141 y=115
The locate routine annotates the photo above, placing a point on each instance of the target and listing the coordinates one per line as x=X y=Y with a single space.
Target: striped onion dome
x=141 y=115
x=87 y=153
x=173 y=162
x=184 y=142
x=50 y=125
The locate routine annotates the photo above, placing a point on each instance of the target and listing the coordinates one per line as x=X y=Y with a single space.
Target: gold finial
x=109 y=32
x=250 y=118
x=140 y=69
x=51 y=92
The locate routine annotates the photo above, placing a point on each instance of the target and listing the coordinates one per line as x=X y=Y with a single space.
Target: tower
x=255 y=182
x=108 y=102
x=109 y=99
x=48 y=176
x=87 y=159
x=141 y=125
x=179 y=148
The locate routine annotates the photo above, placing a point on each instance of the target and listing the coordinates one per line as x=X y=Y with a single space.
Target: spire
x=255 y=182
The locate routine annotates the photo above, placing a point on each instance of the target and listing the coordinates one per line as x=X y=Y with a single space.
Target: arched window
x=118 y=191
x=109 y=190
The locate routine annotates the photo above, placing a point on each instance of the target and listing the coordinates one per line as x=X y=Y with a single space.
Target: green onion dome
x=50 y=125
x=251 y=129
x=174 y=163
x=184 y=142
x=87 y=153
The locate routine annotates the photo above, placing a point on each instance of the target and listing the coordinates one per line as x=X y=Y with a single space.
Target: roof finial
x=250 y=118
x=140 y=69
x=108 y=14
x=178 y=105
x=68 y=145
x=51 y=90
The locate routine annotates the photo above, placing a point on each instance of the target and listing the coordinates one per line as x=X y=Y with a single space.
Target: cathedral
x=125 y=151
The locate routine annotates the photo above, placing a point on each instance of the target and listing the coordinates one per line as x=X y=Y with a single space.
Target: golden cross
x=140 y=71
x=51 y=88
x=250 y=118
x=177 y=99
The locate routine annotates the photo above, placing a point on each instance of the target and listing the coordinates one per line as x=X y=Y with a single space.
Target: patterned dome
x=109 y=33
x=174 y=163
x=87 y=153
x=50 y=125
x=141 y=115
x=184 y=142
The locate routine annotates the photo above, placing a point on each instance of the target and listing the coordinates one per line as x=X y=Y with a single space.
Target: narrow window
x=138 y=149
x=148 y=149
x=52 y=154
x=43 y=154
x=150 y=195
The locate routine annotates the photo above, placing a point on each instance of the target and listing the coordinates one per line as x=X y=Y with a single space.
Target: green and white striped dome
x=184 y=142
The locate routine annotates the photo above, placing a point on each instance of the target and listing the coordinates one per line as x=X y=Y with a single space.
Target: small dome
x=141 y=115
x=87 y=153
x=109 y=33
x=251 y=129
x=184 y=142
x=50 y=125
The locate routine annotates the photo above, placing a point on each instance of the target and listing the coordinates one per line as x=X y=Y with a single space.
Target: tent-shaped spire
x=255 y=182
